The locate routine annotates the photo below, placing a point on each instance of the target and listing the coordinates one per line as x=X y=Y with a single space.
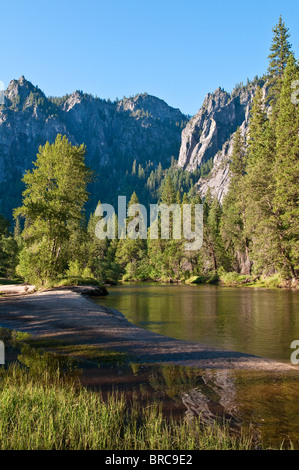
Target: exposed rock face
x=209 y=134
x=150 y=105
x=22 y=124
x=201 y=138
x=218 y=180
x=143 y=128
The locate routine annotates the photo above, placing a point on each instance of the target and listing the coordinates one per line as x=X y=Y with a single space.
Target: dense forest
x=252 y=235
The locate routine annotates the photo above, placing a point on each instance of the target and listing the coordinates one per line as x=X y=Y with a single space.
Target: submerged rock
x=92 y=291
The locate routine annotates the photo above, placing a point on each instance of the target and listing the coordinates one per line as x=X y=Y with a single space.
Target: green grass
x=89 y=352
x=44 y=406
x=51 y=413
x=93 y=353
x=234 y=279
x=211 y=278
x=76 y=281
x=238 y=280
x=270 y=282
x=5 y=282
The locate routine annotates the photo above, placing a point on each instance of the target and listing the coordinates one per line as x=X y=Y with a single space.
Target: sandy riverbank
x=67 y=314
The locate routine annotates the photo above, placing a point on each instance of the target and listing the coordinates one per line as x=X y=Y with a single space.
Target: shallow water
x=264 y=404
x=256 y=321
x=262 y=322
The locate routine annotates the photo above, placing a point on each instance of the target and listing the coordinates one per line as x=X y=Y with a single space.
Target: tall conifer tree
x=287 y=170
x=280 y=51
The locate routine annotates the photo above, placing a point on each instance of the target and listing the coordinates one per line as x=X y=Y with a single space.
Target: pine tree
x=258 y=123
x=131 y=252
x=166 y=256
x=96 y=248
x=237 y=164
x=185 y=199
x=141 y=173
x=18 y=232
x=212 y=255
x=233 y=223
x=287 y=171
x=178 y=197
x=159 y=173
x=264 y=223
x=278 y=57
x=259 y=190
x=168 y=195
x=99 y=254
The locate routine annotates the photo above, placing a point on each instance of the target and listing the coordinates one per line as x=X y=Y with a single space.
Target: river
x=258 y=321
x=262 y=322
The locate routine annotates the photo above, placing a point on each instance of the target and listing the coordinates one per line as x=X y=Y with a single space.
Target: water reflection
x=265 y=404
x=254 y=321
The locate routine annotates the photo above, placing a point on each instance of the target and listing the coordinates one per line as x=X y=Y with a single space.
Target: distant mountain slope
x=142 y=128
x=125 y=139
x=209 y=135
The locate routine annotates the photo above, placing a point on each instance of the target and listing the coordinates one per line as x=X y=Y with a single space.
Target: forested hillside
x=238 y=156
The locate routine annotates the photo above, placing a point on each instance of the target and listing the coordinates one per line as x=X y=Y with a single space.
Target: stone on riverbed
x=94 y=291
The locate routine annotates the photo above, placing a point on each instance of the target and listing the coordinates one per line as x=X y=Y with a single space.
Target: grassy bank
x=49 y=414
x=43 y=406
x=234 y=279
x=5 y=281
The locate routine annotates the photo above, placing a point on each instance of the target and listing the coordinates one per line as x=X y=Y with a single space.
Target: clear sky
x=176 y=50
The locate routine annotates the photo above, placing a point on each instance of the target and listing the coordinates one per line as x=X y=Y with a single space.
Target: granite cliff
x=136 y=131
x=142 y=128
x=209 y=135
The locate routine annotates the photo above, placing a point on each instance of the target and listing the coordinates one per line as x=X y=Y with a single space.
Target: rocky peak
x=219 y=117
x=21 y=94
x=217 y=182
x=147 y=105
x=215 y=101
x=143 y=128
x=75 y=98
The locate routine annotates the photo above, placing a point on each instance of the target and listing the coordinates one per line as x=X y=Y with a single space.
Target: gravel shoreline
x=68 y=314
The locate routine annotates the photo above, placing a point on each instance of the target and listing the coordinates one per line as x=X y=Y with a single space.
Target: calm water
x=256 y=321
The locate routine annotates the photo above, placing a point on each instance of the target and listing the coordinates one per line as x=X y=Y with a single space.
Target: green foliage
x=270 y=183
x=259 y=224
x=233 y=222
x=279 y=53
x=130 y=252
x=253 y=233
x=52 y=206
x=8 y=250
x=213 y=253
x=43 y=409
x=286 y=171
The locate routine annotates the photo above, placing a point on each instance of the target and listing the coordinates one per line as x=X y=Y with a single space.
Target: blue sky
x=176 y=50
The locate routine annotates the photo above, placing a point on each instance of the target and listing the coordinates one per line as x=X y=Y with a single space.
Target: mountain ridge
x=209 y=135
x=141 y=130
